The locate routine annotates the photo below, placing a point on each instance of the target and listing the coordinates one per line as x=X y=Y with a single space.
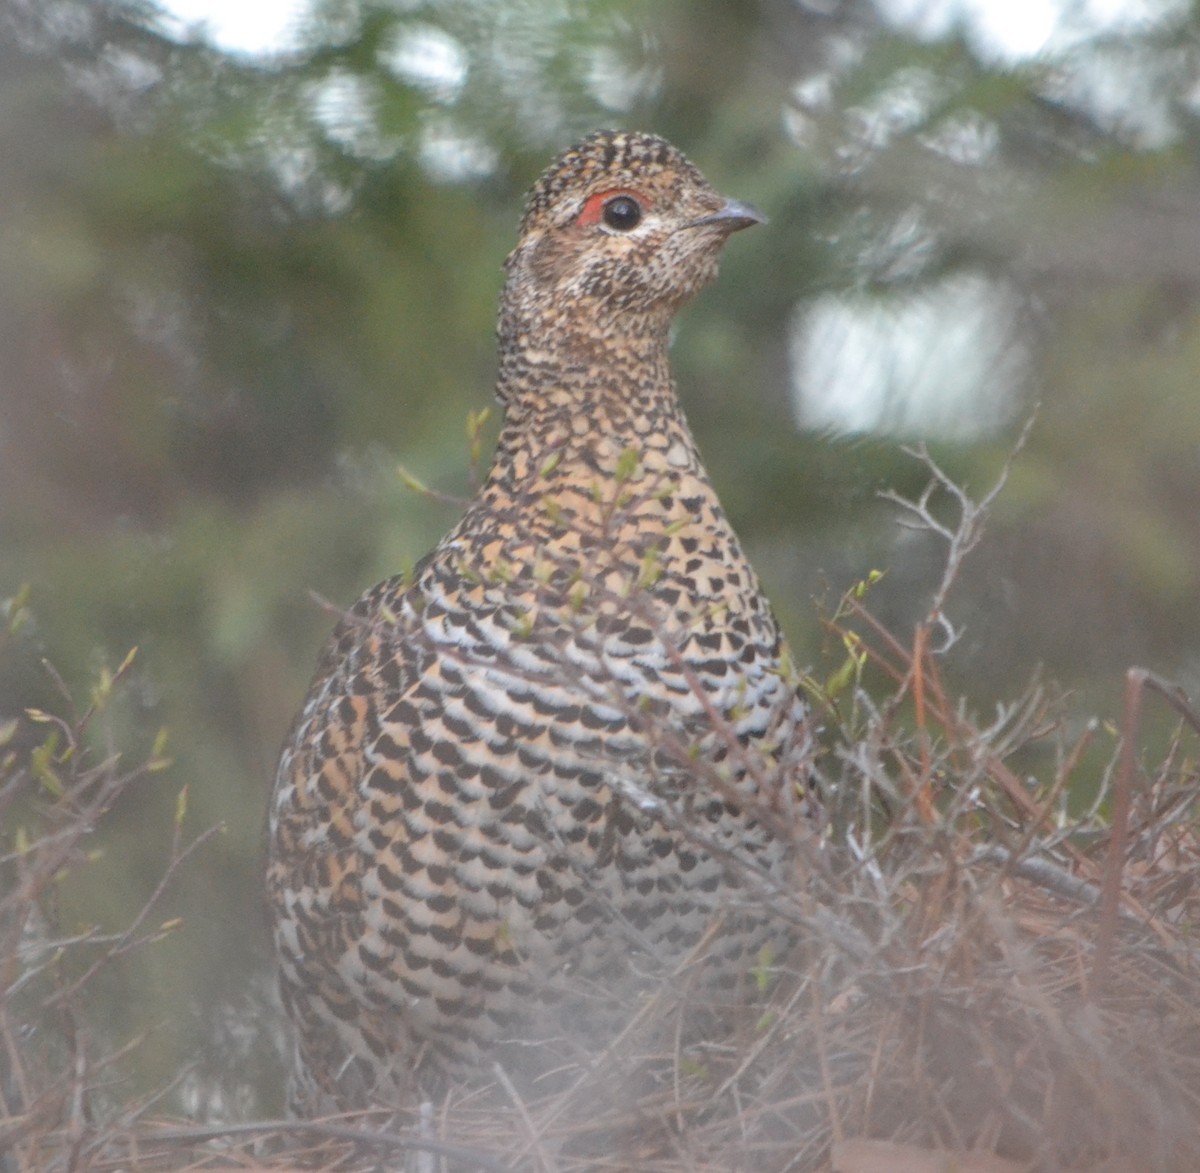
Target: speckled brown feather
x=531 y=776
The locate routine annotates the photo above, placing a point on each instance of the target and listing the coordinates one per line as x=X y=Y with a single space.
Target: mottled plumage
x=532 y=774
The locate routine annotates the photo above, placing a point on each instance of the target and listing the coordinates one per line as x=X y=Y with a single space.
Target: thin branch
x=330 y=1130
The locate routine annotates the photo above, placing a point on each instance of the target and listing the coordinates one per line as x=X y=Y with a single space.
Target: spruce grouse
x=566 y=754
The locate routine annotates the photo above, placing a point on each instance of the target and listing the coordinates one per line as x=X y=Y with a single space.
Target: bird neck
x=581 y=400
x=595 y=466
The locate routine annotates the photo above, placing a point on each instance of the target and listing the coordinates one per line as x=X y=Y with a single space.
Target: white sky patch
x=251 y=27
x=426 y=57
x=1014 y=28
x=1006 y=29
x=451 y=156
x=944 y=362
x=1012 y=31
x=344 y=104
x=616 y=86
x=1002 y=30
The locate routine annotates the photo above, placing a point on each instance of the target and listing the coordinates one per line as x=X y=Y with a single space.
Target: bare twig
x=328 y=1129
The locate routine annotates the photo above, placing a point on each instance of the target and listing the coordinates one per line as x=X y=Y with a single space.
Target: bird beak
x=731 y=216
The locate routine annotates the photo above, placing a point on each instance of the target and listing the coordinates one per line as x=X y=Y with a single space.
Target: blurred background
x=249 y=260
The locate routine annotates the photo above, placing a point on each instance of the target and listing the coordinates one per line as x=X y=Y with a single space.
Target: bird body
x=530 y=776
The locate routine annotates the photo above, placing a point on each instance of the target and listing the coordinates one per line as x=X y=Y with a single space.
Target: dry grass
x=990 y=967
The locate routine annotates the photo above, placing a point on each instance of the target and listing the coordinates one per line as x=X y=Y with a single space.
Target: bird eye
x=622 y=213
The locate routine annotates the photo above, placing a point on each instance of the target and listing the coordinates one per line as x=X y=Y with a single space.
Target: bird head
x=618 y=233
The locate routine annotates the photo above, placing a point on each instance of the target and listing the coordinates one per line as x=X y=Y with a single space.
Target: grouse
x=564 y=758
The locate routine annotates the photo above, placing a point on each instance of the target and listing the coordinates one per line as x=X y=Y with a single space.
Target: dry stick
x=596 y=1066
x=835 y=1118
x=1072 y=760
x=418 y=487
x=924 y=795
x=874 y=1073
x=1137 y=681
x=960 y=541
x=1015 y=860
x=1174 y=695
x=322 y=1128
x=127 y=940
x=24 y=1112
x=761 y=1044
x=533 y=1140
x=1008 y=782
x=1114 y=864
x=63 y=691
x=676 y=1067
